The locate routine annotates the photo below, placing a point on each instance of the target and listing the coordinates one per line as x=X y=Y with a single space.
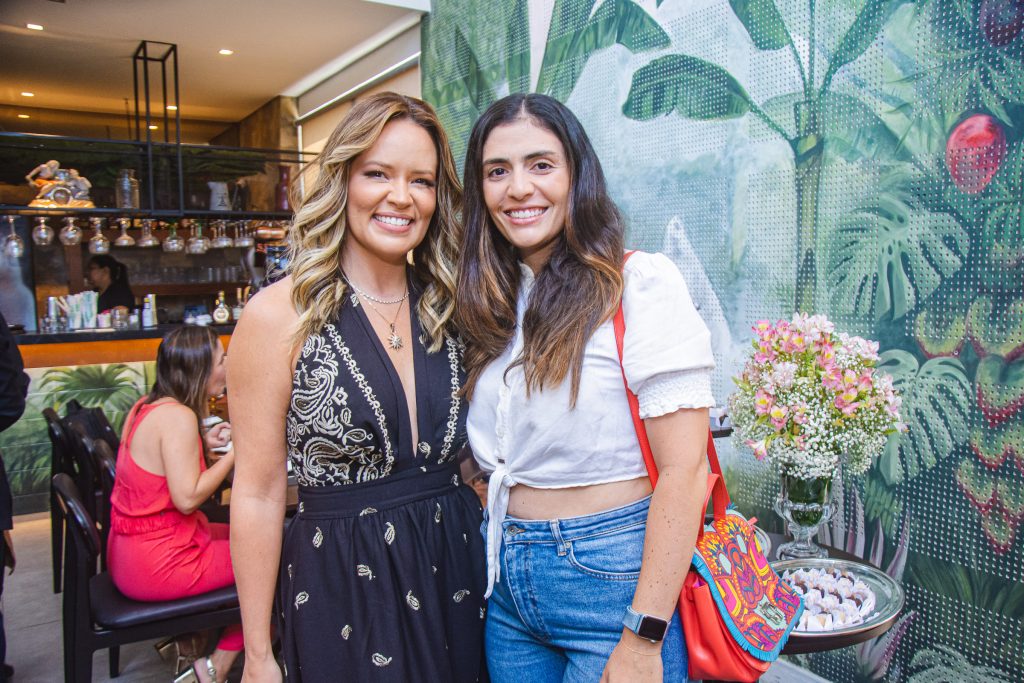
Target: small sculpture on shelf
x=59 y=187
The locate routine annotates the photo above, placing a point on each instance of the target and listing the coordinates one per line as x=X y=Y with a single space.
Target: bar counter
x=90 y=347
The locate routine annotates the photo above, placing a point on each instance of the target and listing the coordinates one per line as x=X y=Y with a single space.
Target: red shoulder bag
x=736 y=613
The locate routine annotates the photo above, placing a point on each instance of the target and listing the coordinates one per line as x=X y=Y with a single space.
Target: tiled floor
x=32 y=616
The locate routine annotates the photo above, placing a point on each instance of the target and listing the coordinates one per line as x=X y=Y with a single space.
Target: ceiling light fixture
x=34 y=27
x=153 y=127
x=172 y=107
x=28 y=94
x=24 y=116
x=226 y=51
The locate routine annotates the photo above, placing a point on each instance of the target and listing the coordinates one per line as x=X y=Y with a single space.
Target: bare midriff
x=527 y=502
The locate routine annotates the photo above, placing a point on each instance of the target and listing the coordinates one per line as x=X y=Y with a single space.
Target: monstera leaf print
x=892 y=253
x=936 y=398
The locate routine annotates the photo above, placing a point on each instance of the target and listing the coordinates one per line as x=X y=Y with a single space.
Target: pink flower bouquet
x=810 y=399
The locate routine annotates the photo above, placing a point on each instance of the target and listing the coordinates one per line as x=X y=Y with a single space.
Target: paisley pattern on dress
x=383 y=519
x=325 y=445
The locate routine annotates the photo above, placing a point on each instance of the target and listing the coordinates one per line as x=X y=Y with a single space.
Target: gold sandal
x=189 y=674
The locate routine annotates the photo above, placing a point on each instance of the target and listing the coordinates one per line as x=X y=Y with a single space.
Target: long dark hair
x=579 y=287
x=184 y=362
x=118 y=271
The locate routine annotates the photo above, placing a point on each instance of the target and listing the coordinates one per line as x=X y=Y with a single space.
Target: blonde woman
x=350 y=369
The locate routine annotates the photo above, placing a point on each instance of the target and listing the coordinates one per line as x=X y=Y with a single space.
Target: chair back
x=106 y=469
x=62 y=460
x=87 y=469
x=93 y=423
x=81 y=548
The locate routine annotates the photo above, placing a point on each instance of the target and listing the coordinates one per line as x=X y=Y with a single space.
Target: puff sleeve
x=667 y=355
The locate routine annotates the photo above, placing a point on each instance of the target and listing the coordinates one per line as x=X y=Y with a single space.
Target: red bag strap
x=716 y=481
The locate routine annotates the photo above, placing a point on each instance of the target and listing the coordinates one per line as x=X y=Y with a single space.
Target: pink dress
x=155 y=552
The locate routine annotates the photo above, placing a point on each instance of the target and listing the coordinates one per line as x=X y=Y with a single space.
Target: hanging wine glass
x=243 y=238
x=173 y=243
x=197 y=244
x=98 y=243
x=42 y=233
x=221 y=239
x=70 y=234
x=14 y=246
x=124 y=239
x=148 y=239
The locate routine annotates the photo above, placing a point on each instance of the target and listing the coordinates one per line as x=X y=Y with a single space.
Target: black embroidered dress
x=382 y=570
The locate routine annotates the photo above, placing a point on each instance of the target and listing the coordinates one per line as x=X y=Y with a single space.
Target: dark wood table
x=801 y=644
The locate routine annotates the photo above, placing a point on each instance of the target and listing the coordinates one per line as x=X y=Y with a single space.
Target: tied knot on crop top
x=540 y=442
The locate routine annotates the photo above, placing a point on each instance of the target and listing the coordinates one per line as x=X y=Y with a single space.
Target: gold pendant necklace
x=395 y=340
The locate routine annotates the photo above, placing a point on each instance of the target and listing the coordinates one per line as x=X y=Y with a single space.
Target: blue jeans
x=556 y=614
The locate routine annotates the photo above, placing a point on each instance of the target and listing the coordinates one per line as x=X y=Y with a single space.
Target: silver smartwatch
x=644 y=625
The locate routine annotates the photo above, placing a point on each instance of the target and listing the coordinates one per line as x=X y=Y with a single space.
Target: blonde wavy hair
x=318 y=229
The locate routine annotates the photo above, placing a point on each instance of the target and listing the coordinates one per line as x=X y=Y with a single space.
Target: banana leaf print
x=462 y=90
x=575 y=35
x=113 y=387
x=697 y=89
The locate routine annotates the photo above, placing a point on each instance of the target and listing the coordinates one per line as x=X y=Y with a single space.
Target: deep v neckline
x=419 y=370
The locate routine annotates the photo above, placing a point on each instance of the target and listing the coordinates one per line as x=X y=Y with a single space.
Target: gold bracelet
x=641 y=652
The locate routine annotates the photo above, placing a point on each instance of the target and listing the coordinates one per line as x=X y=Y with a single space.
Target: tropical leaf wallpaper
x=859 y=158
x=26 y=446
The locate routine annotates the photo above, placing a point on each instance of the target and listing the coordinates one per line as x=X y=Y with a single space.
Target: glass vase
x=805 y=504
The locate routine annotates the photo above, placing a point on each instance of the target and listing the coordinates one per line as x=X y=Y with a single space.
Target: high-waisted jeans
x=556 y=614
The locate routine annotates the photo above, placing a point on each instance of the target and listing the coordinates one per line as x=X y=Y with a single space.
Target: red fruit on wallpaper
x=974 y=152
x=1001 y=20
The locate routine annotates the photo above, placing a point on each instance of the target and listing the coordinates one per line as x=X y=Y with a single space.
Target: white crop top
x=540 y=442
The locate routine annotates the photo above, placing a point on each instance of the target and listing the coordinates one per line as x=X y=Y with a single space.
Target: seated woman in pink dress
x=161 y=546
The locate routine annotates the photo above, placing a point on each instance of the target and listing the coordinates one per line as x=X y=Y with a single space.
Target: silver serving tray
x=889 y=596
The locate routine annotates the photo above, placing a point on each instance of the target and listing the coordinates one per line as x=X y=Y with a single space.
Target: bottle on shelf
x=221 y=314
x=149 y=311
x=126 y=194
x=236 y=312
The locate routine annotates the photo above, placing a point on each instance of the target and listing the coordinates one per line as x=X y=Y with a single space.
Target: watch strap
x=644 y=625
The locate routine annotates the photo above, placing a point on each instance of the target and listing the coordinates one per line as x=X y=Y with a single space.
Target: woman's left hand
x=218 y=435
x=633 y=660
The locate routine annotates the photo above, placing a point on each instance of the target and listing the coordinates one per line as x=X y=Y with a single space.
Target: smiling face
x=392 y=193
x=526 y=185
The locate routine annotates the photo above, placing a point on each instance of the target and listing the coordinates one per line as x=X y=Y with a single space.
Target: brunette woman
x=349 y=368
x=581 y=557
x=161 y=545
x=110 y=277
